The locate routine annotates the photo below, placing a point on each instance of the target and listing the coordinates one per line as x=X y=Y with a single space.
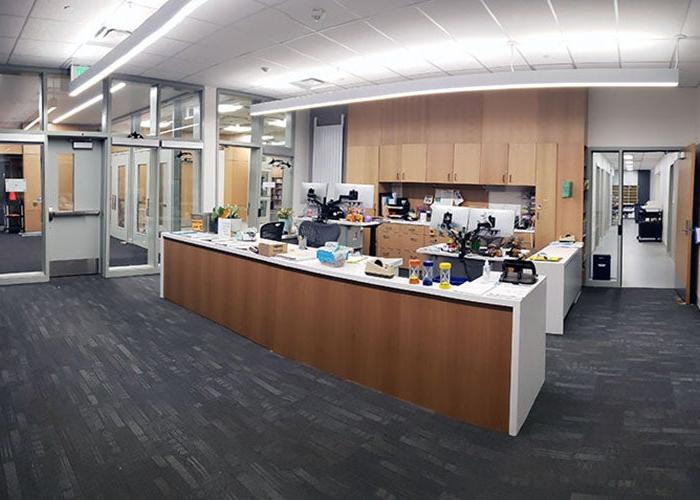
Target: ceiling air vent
x=310 y=84
x=110 y=37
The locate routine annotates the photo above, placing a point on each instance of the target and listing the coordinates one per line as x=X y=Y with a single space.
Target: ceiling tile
x=6 y=44
x=11 y=25
x=450 y=56
x=47 y=61
x=206 y=53
x=321 y=48
x=285 y=57
x=592 y=16
x=301 y=10
x=173 y=65
x=46 y=29
x=89 y=54
x=594 y=49
x=652 y=18
x=193 y=30
x=52 y=50
x=552 y=66
x=225 y=12
x=692 y=22
x=80 y=10
x=361 y=38
x=524 y=18
x=463 y=19
x=409 y=27
x=167 y=47
x=550 y=50
x=690 y=50
x=364 y=8
x=15 y=7
x=235 y=73
x=147 y=60
x=647 y=50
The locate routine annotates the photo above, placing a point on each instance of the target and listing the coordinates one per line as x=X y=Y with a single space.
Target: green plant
x=225 y=212
x=284 y=213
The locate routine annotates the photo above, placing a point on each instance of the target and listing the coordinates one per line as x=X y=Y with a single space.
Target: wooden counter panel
x=449 y=356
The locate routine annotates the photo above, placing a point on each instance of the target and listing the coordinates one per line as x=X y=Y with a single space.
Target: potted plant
x=228 y=220
x=285 y=214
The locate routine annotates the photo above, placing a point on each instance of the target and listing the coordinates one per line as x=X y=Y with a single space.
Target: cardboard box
x=270 y=249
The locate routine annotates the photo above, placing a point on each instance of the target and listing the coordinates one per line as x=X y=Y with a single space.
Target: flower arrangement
x=225 y=212
x=284 y=213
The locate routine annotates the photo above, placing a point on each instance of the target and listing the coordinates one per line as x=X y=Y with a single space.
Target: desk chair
x=318 y=234
x=272 y=231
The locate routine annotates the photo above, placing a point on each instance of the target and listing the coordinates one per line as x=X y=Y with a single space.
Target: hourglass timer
x=414 y=271
x=428 y=273
x=445 y=272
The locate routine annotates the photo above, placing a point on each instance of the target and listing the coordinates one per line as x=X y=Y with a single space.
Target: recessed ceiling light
x=268 y=137
x=629 y=156
x=276 y=122
x=229 y=108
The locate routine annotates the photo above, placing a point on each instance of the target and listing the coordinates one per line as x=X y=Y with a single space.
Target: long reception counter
x=474 y=352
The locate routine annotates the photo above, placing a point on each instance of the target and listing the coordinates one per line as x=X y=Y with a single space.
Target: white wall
x=302 y=158
x=209 y=154
x=645 y=117
x=658 y=192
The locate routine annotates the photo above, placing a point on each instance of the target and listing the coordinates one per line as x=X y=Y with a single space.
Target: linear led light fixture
x=90 y=102
x=36 y=120
x=160 y=23
x=562 y=78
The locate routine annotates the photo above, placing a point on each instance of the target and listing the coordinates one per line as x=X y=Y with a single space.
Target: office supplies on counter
x=270 y=249
x=249 y=234
x=428 y=267
x=333 y=254
x=445 y=274
x=298 y=254
x=567 y=238
x=383 y=268
x=518 y=272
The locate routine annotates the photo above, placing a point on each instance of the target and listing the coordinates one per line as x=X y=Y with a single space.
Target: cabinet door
x=467 y=163
x=439 y=163
x=362 y=165
x=521 y=164
x=494 y=164
x=414 y=159
x=546 y=195
x=390 y=163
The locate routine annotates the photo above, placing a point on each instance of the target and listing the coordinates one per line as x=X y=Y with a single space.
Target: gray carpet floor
x=107 y=391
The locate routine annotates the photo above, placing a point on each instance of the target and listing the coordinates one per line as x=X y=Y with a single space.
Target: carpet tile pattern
x=107 y=391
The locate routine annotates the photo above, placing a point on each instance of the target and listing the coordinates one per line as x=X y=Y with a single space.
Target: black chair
x=272 y=231
x=318 y=234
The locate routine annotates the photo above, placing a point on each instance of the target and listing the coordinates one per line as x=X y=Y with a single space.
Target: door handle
x=52 y=212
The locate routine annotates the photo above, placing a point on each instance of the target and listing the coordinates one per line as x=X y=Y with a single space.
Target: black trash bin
x=601 y=267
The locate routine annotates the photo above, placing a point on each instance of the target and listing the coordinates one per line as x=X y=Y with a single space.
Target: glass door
x=606 y=208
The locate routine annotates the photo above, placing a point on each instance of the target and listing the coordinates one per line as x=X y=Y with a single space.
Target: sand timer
x=414 y=271
x=428 y=273
x=445 y=273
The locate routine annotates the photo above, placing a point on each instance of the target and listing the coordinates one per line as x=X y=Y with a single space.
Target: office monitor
x=365 y=193
x=460 y=216
x=320 y=188
x=505 y=219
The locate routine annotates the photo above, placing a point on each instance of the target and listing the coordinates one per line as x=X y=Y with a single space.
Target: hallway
x=644 y=264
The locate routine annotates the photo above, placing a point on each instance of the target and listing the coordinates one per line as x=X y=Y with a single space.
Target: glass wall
x=21 y=208
x=235 y=124
x=178 y=189
x=181 y=109
x=277 y=130
x=82 y=113
x=131 y=109
x=20 y=101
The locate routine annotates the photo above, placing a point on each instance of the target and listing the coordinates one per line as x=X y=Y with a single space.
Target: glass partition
x=21 y=208
x=180 y=109
x=82 y=113
x=606 y=218
x=66 y=182
x=237 y=178
x=131 y=109
x=235 y=124
x=277 y=130
x=20 y=101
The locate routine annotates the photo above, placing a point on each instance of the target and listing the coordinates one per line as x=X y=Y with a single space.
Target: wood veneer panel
x=467 y=163
x=449 y=356
x=570 y=210
x=682 y=255
x=494 y=164
x=441 y=158
x=522 y=164
x=546 y=195
x=364 y=124
x=453 y=118
x=562 y=115
x=362 y=165
x=510 y=116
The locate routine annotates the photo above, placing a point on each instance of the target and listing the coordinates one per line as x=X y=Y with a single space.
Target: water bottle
x=486 y=273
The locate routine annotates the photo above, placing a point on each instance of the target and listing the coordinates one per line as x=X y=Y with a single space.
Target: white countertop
x=563 y=250
x=494 y=293
x=439 y=251
x=343 y=222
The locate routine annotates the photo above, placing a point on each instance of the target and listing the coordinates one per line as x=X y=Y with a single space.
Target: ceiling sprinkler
x=318 y=13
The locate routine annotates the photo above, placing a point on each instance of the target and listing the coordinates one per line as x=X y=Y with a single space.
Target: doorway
x=631 y=202
x=74 y=201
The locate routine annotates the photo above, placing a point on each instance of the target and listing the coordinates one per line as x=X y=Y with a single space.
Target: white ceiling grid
x=360 y=42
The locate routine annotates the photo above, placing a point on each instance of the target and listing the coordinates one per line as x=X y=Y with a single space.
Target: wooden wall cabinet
x=467 y=163
x=362 y=165
x=522 y=164
x=440 y=163
x=390 y=163
x=414 y=159
x=546 y=195
x=494 y=164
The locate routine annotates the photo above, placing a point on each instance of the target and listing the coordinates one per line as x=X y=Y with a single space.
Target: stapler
x=519 y=272
x=383 y=268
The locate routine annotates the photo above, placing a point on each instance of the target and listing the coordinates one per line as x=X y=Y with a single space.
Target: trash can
x=601 y=267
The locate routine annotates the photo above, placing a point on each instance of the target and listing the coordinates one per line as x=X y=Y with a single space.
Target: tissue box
x=269 y=249
x=333 y=254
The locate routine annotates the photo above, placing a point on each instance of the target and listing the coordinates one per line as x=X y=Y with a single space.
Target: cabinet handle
x=397 y=176
x=510 y=177
x=448 y=177
x=403 y=175
x=503 y=178
x=454 y=177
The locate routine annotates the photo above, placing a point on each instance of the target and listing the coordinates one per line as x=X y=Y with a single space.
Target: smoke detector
x=318 y=13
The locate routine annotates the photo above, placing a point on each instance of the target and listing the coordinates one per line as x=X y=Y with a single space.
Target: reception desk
x=470 y=353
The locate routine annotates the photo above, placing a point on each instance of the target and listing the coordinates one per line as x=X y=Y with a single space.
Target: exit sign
x=76 y=71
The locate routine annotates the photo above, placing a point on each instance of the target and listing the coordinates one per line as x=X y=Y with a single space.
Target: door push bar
x=72 y=213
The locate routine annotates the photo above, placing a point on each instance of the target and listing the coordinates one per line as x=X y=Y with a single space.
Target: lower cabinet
x=402 y=241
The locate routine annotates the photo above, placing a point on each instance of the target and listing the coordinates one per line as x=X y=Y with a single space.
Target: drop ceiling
x=263 y=46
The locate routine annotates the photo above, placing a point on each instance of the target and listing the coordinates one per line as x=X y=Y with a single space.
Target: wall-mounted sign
x=15 y=185
x=82 y=145
x=268 y=185
x=77 y=70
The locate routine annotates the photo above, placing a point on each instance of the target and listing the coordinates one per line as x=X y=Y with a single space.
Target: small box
x=601 y=267
x=198 y=223
x=270 y=249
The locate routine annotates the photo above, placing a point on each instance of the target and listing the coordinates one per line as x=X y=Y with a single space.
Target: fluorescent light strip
x=131 y=47
x=176 y=129
x=36 y=120
x=568 y=78
x=90 y=102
